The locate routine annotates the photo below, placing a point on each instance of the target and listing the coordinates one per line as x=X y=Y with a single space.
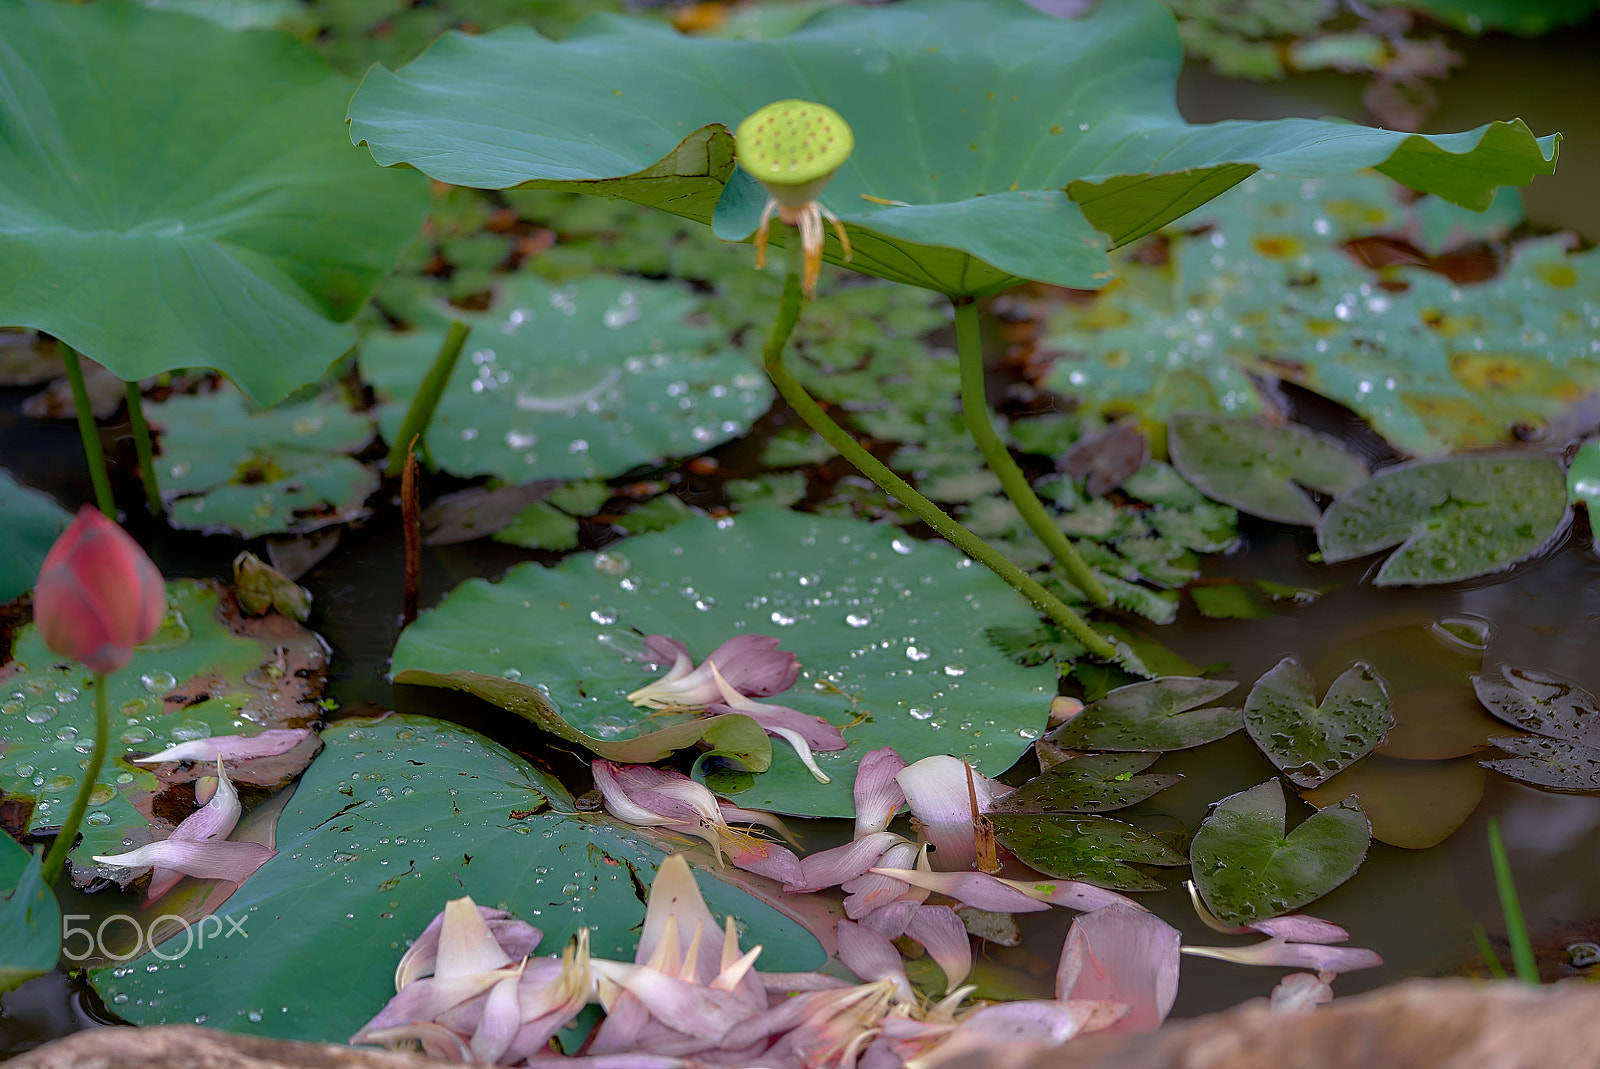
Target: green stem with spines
x=57 y=858
x=420 y=414
x=836 y=436
x=975 y=413
x=141 y=445
x=89 y=432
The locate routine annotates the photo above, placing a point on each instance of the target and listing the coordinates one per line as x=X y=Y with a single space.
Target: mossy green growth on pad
x=794 y=147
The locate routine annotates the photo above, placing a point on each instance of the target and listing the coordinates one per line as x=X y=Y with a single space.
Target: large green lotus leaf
x=1260 y=283
x=1157 y=714
x=587 y=379
x=208 y=671
x=224 y=464
x=1254 y=466
x=396 y=817
x=174 y=194
x=1454 y=518
x=993 y=143
x=889 y=632
x=29 y=915
x=1412 y=804
x=1247 y=869
x=33 y=523
x=1311 y=743
x=1071 y=846
x=1093 y=783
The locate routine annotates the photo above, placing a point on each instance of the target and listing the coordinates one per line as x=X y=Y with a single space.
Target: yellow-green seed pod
x=794 y=147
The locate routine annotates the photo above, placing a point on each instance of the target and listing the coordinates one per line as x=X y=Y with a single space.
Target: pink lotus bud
x=98 y=595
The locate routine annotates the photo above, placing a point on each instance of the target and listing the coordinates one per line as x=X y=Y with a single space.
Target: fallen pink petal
x=1300 y=992
x=1122 y=955
x=940 y=792
x=976 y=889
x=1279 y=951
x=877 y=794
x=205 y=860
x=751 y=664
x=269 y=743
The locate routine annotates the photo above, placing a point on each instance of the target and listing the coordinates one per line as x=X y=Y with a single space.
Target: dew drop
x=158 y=681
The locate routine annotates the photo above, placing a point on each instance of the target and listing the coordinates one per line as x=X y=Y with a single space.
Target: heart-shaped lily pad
x=582 y=380
x=33 y=522
x=1254 y=466
x=1311 y=743
x=179 y=195
x=208 y=671
x=1156 y=714
x=992 y=143
x=393 y=819
x=1454 y=518
x=1412 y=804
x=1247 y=869
x=889 y=632
x=1564 y=751
x=1097 y=850
x=225 y=464
x=1093 y=783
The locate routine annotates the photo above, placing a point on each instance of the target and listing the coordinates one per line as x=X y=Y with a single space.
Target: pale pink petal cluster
x=198 y=847
x=740 y=670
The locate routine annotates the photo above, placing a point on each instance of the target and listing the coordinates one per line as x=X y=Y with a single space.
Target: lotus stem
x=836 y=436
x=68 y=836
x=89 y=431
x=410 y=519
x=975 y=413
x=141 y=445
x=420 y=414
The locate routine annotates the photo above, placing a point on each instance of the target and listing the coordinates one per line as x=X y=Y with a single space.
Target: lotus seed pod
x=794 y=147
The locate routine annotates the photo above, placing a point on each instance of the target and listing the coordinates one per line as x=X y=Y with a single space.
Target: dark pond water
x=1417 y=908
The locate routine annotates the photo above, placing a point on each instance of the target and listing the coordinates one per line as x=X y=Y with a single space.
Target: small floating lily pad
x=1454 y=518
x=1097 y=850
x=1157 y=714
x=1255 y=466
x=1093 y=783
x=208 y=671
x=888 y=630
x=285 y=470
x=33 y=523
x=1564 y=751
x=1541 y=702
x=1247 y=869
x=1412 y=804
x=1311 y=743
x=1544 y=762
x=577 y=381
x=393 y=819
